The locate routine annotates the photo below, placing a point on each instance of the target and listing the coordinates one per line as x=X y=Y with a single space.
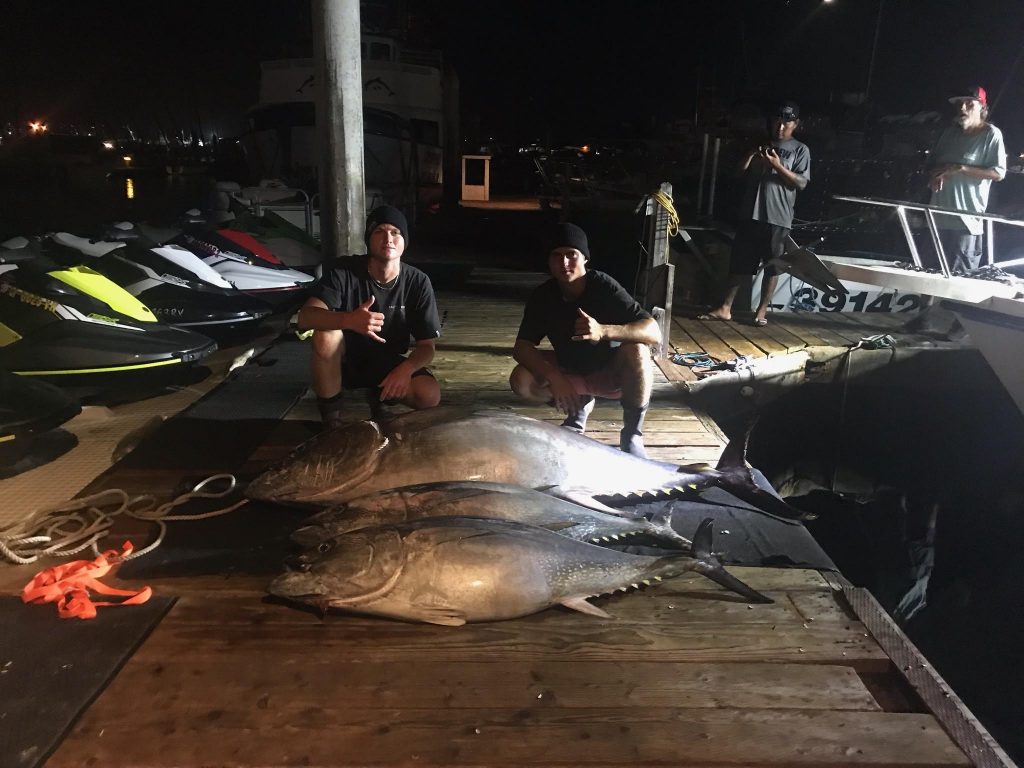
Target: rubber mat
x=743 y=535
x=51 y=669
x=250 y=540
x=252 y=401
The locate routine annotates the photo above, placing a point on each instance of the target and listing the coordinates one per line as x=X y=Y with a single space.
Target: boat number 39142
x=810 y=299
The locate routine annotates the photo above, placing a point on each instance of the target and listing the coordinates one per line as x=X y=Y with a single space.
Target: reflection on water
x=81 y=200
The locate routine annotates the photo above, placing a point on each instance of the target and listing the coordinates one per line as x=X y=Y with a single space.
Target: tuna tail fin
x=661 y=526
x=711 y=567
x=740 y=483
x=734 y=455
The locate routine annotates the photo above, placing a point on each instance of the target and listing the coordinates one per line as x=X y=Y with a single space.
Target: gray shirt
x=768 y=197
x=984 y=149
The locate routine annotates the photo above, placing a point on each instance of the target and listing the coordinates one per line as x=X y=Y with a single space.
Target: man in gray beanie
x=601 y=339
x=362 y=314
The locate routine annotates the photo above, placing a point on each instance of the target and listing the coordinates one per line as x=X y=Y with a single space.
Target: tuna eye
x=325 y=546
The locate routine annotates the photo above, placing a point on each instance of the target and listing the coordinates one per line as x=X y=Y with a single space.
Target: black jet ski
x=170 y=280
x=30 y=413
x=74 y=327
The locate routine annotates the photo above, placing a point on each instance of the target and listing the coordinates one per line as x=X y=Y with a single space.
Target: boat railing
x=930 y=213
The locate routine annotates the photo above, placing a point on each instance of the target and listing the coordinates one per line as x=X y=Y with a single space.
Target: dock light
x=108 y=145
x=129 y=188
x=585 y=149
x=38 y=126
x=127 y=158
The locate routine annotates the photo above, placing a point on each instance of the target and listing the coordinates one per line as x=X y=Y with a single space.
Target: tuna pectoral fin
x=585 y=499
x=580 y=604
x=445 y=616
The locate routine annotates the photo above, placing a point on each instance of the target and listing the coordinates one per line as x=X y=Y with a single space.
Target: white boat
x=991 y=311
x=403 y=122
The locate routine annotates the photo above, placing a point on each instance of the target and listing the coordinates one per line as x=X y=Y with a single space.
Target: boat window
x=380 y=52
x=426 y=131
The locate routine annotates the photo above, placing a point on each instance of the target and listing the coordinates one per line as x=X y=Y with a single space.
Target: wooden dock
x=683 y=674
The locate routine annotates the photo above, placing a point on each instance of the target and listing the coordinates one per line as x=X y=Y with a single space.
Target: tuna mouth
x=294 y=586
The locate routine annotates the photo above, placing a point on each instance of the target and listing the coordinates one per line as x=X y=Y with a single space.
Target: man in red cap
x=601 y=339
x=362 y=314
x=968 y=157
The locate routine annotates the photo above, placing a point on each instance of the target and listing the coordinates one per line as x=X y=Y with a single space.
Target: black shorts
x=757 y=242
x=369 y=371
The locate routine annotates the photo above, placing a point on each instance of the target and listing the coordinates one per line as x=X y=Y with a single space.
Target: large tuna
x=453 y=444
x=492 y=500
x=456 y=570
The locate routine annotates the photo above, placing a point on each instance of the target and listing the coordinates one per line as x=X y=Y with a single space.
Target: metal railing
x=929 y=211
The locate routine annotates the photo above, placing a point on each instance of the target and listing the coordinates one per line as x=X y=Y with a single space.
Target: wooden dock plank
x=264 y=734
x=709 y=342
x=315 y=679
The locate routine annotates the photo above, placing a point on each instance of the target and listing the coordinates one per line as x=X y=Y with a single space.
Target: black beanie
x=386 y=214
x=568 y=236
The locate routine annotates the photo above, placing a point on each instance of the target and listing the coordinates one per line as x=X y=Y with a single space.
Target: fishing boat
x=990 y=310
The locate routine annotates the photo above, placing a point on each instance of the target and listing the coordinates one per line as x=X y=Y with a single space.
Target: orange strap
x=69 y=585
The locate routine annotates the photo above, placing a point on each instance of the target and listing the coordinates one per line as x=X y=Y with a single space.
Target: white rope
x=79 y=524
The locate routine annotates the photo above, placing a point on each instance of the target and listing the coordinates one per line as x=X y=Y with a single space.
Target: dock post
x=714 y=176
x=703 y=172
x=657 y=278
x=339 y=126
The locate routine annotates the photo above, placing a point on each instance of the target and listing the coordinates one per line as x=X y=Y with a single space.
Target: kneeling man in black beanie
x=363 y=313
x=601 y=339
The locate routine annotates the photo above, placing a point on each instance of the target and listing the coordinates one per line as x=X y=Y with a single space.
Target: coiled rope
x=673 y=217
x=79 y=524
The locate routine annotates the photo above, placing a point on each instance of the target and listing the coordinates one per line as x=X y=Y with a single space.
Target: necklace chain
x=389 y=284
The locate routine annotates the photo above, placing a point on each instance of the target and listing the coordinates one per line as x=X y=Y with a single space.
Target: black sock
x=631 y=436
x=328 y=405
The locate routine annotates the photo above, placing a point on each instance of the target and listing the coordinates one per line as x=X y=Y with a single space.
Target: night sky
x=529 y=69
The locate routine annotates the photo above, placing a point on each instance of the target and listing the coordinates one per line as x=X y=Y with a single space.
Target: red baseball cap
x=977 y=93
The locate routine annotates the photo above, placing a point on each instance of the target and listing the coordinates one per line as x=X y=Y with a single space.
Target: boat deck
x=683 y=674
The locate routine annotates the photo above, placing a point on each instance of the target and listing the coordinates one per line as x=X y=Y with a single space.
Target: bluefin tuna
x=457 y=444
x=492 y=500
x=456 y=570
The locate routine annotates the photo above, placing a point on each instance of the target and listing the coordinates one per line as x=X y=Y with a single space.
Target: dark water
x=931 y=519
x=82 y=200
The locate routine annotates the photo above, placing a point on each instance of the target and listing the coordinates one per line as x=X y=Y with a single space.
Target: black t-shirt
x=548 y=314
x=409 y=306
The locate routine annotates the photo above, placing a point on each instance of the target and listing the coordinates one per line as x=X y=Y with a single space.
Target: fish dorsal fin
x=734 y=455
x=702 y=539
x=580 y=604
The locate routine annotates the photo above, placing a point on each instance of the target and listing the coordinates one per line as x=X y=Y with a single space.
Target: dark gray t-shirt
x=548 y=314
x=409 y=306
x=767 y=197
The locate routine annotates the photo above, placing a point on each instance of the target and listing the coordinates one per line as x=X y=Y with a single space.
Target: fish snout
x=299 y=563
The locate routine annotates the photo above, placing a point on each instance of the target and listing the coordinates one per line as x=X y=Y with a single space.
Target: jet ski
x=247 y=271
x=30 y=413
x=176 y=284
x=74 y=327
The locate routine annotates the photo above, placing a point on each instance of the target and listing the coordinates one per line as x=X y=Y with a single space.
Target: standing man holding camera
x=774 y=173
